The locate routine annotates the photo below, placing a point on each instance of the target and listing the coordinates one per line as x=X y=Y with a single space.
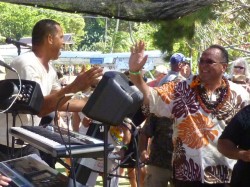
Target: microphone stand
x=18 y=46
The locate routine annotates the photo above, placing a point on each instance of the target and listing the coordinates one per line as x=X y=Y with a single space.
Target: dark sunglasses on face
x=239 y=67
x=208 y=61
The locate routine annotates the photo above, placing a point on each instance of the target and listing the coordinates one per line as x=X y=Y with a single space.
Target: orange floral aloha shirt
x=195 y=132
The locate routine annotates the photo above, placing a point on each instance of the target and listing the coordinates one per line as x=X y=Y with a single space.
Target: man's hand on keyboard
x=4 y=181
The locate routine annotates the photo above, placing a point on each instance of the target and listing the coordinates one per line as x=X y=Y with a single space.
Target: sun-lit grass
x=99 y=183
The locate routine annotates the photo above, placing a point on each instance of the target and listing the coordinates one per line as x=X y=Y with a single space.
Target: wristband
x=124 y=147
x=134 y=72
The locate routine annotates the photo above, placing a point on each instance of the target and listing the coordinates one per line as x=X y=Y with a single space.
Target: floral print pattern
x=188 y=171
x=179 y=154
x=185 y=170
x=195 y=131
x=218 y=174
x=196 y=136
x=166 y=91
x=185 y=98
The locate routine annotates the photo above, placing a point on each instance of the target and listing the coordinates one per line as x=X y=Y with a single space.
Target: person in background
x=130 y=148
x=118 y=135
x=159 y=129
x=62 y=79
x=201 y=108
x=63 y=69
x=176 y=63
x=240 y=67
x=239 y=73
x=160 y=72
x=80 y=122
x=234 y=143
x=186 y=71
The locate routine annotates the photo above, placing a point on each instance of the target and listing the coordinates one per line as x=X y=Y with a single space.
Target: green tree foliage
x=89 y=33
x=174 y=31
x=145 y=32
x=177 y=35
x=225 y=23
x=110 y=35
x=17 y=21
x=95 y=32
x=229 y=29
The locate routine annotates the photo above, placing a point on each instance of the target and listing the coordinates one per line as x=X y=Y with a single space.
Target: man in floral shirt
x=201 y=107
x=159 y=129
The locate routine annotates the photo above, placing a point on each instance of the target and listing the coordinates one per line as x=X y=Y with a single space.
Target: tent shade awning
x=131 y=10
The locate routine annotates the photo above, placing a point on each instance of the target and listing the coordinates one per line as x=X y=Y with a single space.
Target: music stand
x=112 y=100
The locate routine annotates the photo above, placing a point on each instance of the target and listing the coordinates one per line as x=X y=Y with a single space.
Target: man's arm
x=75 y=121
x=143 y=147
x=66 y=104
x=230 y=141
x=230 y=150
x=82 y=82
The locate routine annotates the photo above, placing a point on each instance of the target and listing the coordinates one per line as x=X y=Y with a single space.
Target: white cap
x=161 y=69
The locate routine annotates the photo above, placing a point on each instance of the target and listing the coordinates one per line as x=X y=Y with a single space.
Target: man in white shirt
x=47 y=40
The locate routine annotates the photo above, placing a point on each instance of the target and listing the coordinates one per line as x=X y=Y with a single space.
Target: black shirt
x=238 y=131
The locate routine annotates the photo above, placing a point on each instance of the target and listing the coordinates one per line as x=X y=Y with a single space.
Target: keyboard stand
x=80 y=152
x=105 y=157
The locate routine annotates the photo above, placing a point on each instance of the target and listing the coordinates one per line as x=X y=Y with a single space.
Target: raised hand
x=137 y=58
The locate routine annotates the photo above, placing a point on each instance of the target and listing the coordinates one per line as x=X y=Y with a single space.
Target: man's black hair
x=42 y=29
x=223 y=52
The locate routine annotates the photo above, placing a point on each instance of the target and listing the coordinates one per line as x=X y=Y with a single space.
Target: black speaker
x=30 y=100
x=113 y=99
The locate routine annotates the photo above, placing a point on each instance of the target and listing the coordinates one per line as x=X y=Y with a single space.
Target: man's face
x=211 y=65
x=185 y=69
x=57 y=43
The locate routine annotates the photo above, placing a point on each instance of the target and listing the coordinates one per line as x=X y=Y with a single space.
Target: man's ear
x=224 y=69
x=50 y=39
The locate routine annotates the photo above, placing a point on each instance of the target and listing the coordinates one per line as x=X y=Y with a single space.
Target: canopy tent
x=131 y=10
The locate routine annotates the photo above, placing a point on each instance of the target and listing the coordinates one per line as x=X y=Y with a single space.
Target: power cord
x=68 y=149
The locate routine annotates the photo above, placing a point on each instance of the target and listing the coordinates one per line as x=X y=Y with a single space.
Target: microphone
x=16 y=43
x=6 y=66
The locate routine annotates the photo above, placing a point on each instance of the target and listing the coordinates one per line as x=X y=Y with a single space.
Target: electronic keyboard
x=60 y=142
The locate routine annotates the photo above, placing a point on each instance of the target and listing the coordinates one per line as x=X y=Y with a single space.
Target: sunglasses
x=208 y=61
x=239 y=67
